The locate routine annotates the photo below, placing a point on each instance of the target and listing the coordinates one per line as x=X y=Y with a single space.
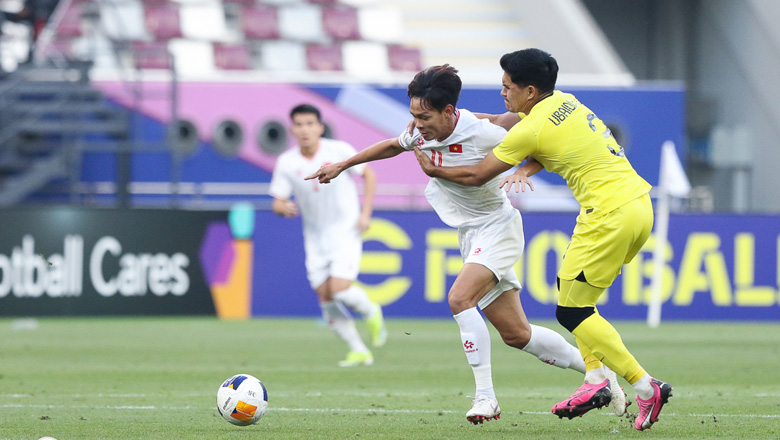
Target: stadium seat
x=70 y=25
x=365 y=59
x=380 y=25
x=301 y=22
x=151 y=55
x=123 y=20
x=282 y=56
x=203 y=21
x=192 y=58
x=260 y=22
x=98 y=49
x=162 y=21
x=341 y=23
x=403 y=58
x=283 y=2
x=324 y=57
x=324 y=2
x=232 y=56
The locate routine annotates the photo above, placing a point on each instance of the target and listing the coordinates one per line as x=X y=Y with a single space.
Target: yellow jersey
x=568 y=139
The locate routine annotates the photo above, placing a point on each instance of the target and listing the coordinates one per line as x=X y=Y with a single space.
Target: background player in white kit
x=490 y=232
x=332 y=225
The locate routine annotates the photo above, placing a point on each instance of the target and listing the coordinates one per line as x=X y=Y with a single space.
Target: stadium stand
x=324 y=57
x=259 y=22
x=269 y=36
x=328 y=41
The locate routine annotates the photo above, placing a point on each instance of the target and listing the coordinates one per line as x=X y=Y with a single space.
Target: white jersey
x=328 y=210
x=458 y=205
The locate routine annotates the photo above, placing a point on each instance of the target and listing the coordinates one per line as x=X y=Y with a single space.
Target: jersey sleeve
x=518 y=143
x=408 y=141
x=281 y=187
x=490 y=135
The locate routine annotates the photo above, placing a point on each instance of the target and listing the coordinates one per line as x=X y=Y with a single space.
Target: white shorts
x=333 y=256
x=497 y=245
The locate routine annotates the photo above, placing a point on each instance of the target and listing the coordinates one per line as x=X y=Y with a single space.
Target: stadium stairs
x=47 y=119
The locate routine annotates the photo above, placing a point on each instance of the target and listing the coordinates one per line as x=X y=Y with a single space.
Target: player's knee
x=459 y=301
x=571 y=317
x=518 y=337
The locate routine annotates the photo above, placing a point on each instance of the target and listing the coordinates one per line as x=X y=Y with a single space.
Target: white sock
x=475 y=337
x=357 y=299
x=595 y=376
x=340 y=321
x=644 y=388
x=551 y=348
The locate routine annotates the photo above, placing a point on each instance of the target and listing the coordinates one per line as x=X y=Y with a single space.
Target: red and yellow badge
x=456 y=148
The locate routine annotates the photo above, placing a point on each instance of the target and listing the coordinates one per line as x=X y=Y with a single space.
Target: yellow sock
x=591 y=361
x=605 y=344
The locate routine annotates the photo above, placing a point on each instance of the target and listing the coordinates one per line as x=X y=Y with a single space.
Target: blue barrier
x=717 y=267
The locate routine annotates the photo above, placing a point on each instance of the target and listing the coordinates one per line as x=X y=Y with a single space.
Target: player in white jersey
x=332 y=224
x=490 y=231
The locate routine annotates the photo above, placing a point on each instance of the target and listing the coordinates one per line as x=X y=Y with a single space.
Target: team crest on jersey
x=420 y=141
x=456 y=148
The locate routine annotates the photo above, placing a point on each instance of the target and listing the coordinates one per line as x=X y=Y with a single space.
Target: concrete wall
x=728 y=54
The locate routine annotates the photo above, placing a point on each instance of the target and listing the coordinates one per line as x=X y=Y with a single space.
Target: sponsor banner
x=65 y=261
x=716 y=267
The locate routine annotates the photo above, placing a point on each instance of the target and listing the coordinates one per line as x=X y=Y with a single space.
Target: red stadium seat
x=341 y=23
x=324 y=2
x=404 y=58
x=162 y=21
x=151 y=55
x=70 y=26
x=260 y=22
x=232 y=56
x=324 y=57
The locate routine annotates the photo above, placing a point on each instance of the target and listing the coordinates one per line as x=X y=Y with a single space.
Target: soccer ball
x=242 y=400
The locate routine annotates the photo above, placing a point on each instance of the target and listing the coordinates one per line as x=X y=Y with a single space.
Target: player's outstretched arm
x=471 y=175
x=378 y=151
x=505 y=120
x=520 y=177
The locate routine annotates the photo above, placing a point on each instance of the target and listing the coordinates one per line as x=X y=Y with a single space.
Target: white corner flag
x=672 y=181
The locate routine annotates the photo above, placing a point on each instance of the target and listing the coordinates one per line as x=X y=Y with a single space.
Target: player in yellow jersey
x=553 y=130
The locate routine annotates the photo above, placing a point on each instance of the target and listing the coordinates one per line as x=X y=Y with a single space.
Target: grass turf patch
x=156 y=378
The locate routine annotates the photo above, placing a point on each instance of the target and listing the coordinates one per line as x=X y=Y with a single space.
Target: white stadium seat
x=192 y=58
x=301 y=23
x=283 y=56
x=203 y=21
x=382 y=25
x=123 y=20
x=365 y=59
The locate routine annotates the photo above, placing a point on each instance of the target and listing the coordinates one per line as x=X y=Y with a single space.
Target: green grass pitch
x=156 y=378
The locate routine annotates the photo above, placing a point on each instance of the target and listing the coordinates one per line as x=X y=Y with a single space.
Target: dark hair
x=436 y=86
x=306 y=109
x=531 y=67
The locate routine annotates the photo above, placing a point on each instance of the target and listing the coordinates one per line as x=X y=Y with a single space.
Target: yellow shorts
x=600 y=247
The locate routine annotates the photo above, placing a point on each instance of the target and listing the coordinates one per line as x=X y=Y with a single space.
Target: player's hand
x=364 y=221
x=519 y=179
x=325 y=173
x=410 y=127
x=287 y=208
x=425 y=162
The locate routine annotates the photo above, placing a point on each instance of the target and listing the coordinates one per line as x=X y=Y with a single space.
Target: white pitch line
x=357 y=410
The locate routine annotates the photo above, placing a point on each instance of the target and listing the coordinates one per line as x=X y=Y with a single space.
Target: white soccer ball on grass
x=242 y=400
